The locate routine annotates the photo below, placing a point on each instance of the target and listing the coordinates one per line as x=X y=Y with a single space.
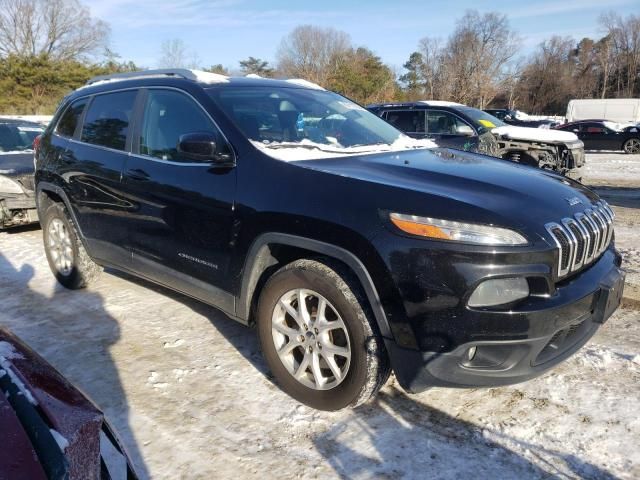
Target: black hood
x=16 y=164
x=465 y=186
x=19 y=167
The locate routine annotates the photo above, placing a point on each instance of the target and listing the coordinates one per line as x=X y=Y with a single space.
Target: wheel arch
x=46 y=193
x=262 y=256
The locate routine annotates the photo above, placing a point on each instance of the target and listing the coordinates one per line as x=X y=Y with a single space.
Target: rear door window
x=107 y=120
x=69 y=121
x=593 y=128
x=409 y=121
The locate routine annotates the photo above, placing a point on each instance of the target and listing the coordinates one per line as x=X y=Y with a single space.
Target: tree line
x=50 y=47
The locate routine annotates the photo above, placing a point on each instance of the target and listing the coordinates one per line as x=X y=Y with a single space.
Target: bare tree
x=57 y=29
x=477 y=55
x=605 y=57
x=175 y=54
x=312 y=53
x=625 y=40
x=431 y=50
x=547 y=82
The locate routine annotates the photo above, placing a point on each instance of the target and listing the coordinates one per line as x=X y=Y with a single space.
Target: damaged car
x=17 y=198
x=458 y=126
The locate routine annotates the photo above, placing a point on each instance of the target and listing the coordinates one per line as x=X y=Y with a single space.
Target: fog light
x=499 y=291
x=471 y=353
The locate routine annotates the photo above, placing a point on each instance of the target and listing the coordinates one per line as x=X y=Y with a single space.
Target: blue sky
x=226 y=31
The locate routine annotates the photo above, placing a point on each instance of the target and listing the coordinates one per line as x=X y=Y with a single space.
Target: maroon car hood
x=39 y=406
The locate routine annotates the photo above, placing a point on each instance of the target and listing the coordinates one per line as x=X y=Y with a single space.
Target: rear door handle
x=138 y=174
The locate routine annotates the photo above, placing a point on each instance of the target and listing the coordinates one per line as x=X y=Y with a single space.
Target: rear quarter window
x=69 y=120
x=107 y=120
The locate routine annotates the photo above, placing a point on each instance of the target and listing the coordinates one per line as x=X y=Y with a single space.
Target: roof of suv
x=419 y=104
x=202 y=78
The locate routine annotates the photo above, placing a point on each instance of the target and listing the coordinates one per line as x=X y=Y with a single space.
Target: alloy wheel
x=60 y=247
x=311 y=339
x=632 y=146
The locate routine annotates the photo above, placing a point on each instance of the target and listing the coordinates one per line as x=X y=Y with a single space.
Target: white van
x=620 y=110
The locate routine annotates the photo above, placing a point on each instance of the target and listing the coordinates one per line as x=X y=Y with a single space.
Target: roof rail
x=195 y=75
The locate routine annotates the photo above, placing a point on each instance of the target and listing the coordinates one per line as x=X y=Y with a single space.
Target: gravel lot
x=189 y=392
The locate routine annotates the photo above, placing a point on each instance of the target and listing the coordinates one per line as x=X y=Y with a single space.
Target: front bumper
x=516 y=345
x=17 y=209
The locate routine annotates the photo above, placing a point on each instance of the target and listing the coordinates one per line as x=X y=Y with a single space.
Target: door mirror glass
x=465 y=130
x=200 y=146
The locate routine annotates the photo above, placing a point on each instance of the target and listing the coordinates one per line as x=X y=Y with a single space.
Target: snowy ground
x=189 y=393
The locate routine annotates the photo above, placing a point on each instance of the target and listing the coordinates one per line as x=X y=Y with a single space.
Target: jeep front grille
x=582 y=239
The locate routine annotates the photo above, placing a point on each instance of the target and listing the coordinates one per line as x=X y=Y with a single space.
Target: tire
x=632 y=146
x=345 y=379
x=67 y=257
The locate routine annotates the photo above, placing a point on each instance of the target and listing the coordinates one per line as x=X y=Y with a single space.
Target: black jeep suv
x=354 y=249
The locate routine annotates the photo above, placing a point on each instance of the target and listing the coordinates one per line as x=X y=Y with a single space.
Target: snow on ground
x=190 y=395
x=616 y=177
x=613 y=169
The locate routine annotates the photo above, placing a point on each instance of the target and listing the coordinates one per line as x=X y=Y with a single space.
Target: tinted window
x=107 y=120
x=15 y=137
x=444 y=123
x=410 y=121
x=167 y=116
x=592 y=128
x=482 y=120
x=69 y=120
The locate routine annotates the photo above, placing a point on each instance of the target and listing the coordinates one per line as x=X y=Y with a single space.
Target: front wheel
x=632 y=146
x=317 y=337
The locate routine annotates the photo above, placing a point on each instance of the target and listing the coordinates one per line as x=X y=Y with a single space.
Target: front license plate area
x=611 y=290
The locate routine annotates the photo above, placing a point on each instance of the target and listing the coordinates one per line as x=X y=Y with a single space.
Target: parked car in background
x=461 y=127
x=605 y=135
x=48 y=428
x=514 y=117
x=353 y=248
x=620 y=110
x=17 y=197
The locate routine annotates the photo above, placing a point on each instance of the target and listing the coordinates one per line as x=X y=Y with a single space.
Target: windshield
x=18 y=137
x=482 y=120
x=297 y=124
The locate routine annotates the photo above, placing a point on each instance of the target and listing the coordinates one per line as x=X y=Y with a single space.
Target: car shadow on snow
x=71 y=325
x=395 y=436
x=627 y=197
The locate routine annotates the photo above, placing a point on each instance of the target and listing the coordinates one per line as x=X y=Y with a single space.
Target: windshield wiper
x=313 y=147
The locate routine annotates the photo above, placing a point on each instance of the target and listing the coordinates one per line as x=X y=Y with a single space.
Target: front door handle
x=137 y=174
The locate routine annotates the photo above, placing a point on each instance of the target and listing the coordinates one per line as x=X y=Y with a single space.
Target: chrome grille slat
x=582 y=239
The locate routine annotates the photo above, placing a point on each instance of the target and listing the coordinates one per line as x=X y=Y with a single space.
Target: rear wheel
x=317 y=338
x=632 y=145
x=66 y=255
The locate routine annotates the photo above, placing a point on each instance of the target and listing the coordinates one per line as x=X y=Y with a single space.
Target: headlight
x=457 y=231
x=9 y=186
x=499 y=291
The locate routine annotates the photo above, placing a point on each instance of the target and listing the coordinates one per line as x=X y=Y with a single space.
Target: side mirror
x=201 y=147
x=465 y=130
x=576 y=130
